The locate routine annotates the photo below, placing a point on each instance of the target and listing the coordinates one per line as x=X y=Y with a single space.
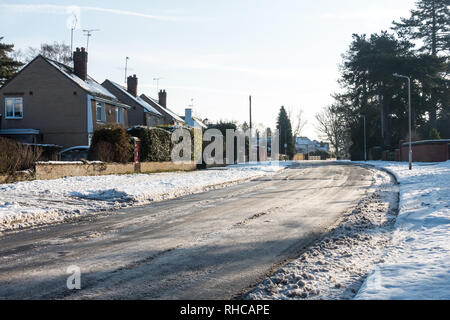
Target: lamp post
x=409 y=115
x=365 y=141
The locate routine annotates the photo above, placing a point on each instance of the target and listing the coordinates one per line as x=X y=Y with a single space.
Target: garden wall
x=427 y=151
x=56 y=170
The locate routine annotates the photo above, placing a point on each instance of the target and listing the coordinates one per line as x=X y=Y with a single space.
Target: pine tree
x=429 y=23
x=284 y=128
x=8 y=66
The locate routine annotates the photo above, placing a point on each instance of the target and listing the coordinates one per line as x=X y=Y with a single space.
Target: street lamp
x=409 y=103
x=365 y=144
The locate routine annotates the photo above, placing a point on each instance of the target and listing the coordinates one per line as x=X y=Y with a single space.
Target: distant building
x=305 y=145
x=50 y=103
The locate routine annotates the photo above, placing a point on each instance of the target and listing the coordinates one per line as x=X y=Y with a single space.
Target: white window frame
x=120 y=116
x=102 y=106
x=16 y=100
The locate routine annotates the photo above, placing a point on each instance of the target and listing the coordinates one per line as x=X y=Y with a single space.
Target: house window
x=100 y=112
x=119 y=115
x=13 y=108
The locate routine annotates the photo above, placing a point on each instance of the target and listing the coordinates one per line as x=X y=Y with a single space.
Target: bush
x=156 y=144
x=15 y=156
x=110 y=144
x=434 y=134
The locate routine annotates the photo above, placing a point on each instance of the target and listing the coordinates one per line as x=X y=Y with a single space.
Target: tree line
x=417 y=47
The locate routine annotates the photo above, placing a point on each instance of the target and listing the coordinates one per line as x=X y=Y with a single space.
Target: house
x=192 y=121
x=305 y=145
x=50 y=103
x=141 y=113
x=169 y=117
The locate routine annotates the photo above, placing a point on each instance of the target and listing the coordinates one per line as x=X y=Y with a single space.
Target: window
x=13 y=108
x=100 y=112
x=119 y=115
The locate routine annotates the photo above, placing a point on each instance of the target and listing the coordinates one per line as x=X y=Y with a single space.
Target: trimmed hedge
x=156 y=144
x=15 y=156
x=110 y=144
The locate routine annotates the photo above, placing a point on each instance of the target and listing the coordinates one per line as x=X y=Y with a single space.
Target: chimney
x=80 y=59
x=132 y=83
x=188 y=117
x=163 y=98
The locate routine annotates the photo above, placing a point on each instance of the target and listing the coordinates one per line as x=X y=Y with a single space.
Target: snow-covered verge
x=336 y=266
x=31 y=203
x=417 y=262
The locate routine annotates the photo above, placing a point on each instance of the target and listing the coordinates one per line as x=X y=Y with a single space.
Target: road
x=213 y=245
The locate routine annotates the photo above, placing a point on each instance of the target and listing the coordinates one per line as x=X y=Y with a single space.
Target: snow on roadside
x=417 y=263
x=335 y=267
x=30 y=203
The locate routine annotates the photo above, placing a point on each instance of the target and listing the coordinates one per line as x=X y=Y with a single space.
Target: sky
x=212 y=54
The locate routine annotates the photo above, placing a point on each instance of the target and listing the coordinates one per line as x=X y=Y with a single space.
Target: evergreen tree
x=8 y=66
x=430 y=23
x=284 y=128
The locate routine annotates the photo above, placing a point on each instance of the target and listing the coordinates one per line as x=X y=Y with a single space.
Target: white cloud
x=58 y=9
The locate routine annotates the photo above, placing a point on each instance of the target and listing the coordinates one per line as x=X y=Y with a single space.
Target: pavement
x=213 y=245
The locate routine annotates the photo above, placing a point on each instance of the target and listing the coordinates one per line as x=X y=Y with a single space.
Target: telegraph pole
x=250 y=100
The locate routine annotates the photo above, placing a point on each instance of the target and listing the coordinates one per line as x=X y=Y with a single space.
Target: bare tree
x=59 y=52
x=298 y=121
x=332 y=127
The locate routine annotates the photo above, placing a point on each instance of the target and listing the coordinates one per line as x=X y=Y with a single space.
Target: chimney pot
x=132 y=82
x=80 y=59
x=162 y=95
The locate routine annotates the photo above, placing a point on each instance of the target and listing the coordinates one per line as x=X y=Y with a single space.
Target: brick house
x=169 y=117
x=141 y=113
x=51 y=103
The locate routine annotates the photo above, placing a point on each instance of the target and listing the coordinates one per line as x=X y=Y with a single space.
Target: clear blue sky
x=283 y=52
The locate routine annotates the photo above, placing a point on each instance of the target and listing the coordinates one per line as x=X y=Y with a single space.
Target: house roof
x=90 y=85
x=138 y=100
x=200 y=122
x=164 y=109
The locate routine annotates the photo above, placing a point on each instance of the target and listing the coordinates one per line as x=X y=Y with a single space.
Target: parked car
x=74 y=153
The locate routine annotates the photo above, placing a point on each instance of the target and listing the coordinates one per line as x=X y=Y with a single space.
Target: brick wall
x=426 y=151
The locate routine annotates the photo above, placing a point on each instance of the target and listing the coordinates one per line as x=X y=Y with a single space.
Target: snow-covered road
x=32 y=203
x=210 y=245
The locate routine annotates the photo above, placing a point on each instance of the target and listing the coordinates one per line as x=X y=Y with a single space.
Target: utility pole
x=250 y=100
x=409 y=114
x=88 y=34
x=126 y=68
